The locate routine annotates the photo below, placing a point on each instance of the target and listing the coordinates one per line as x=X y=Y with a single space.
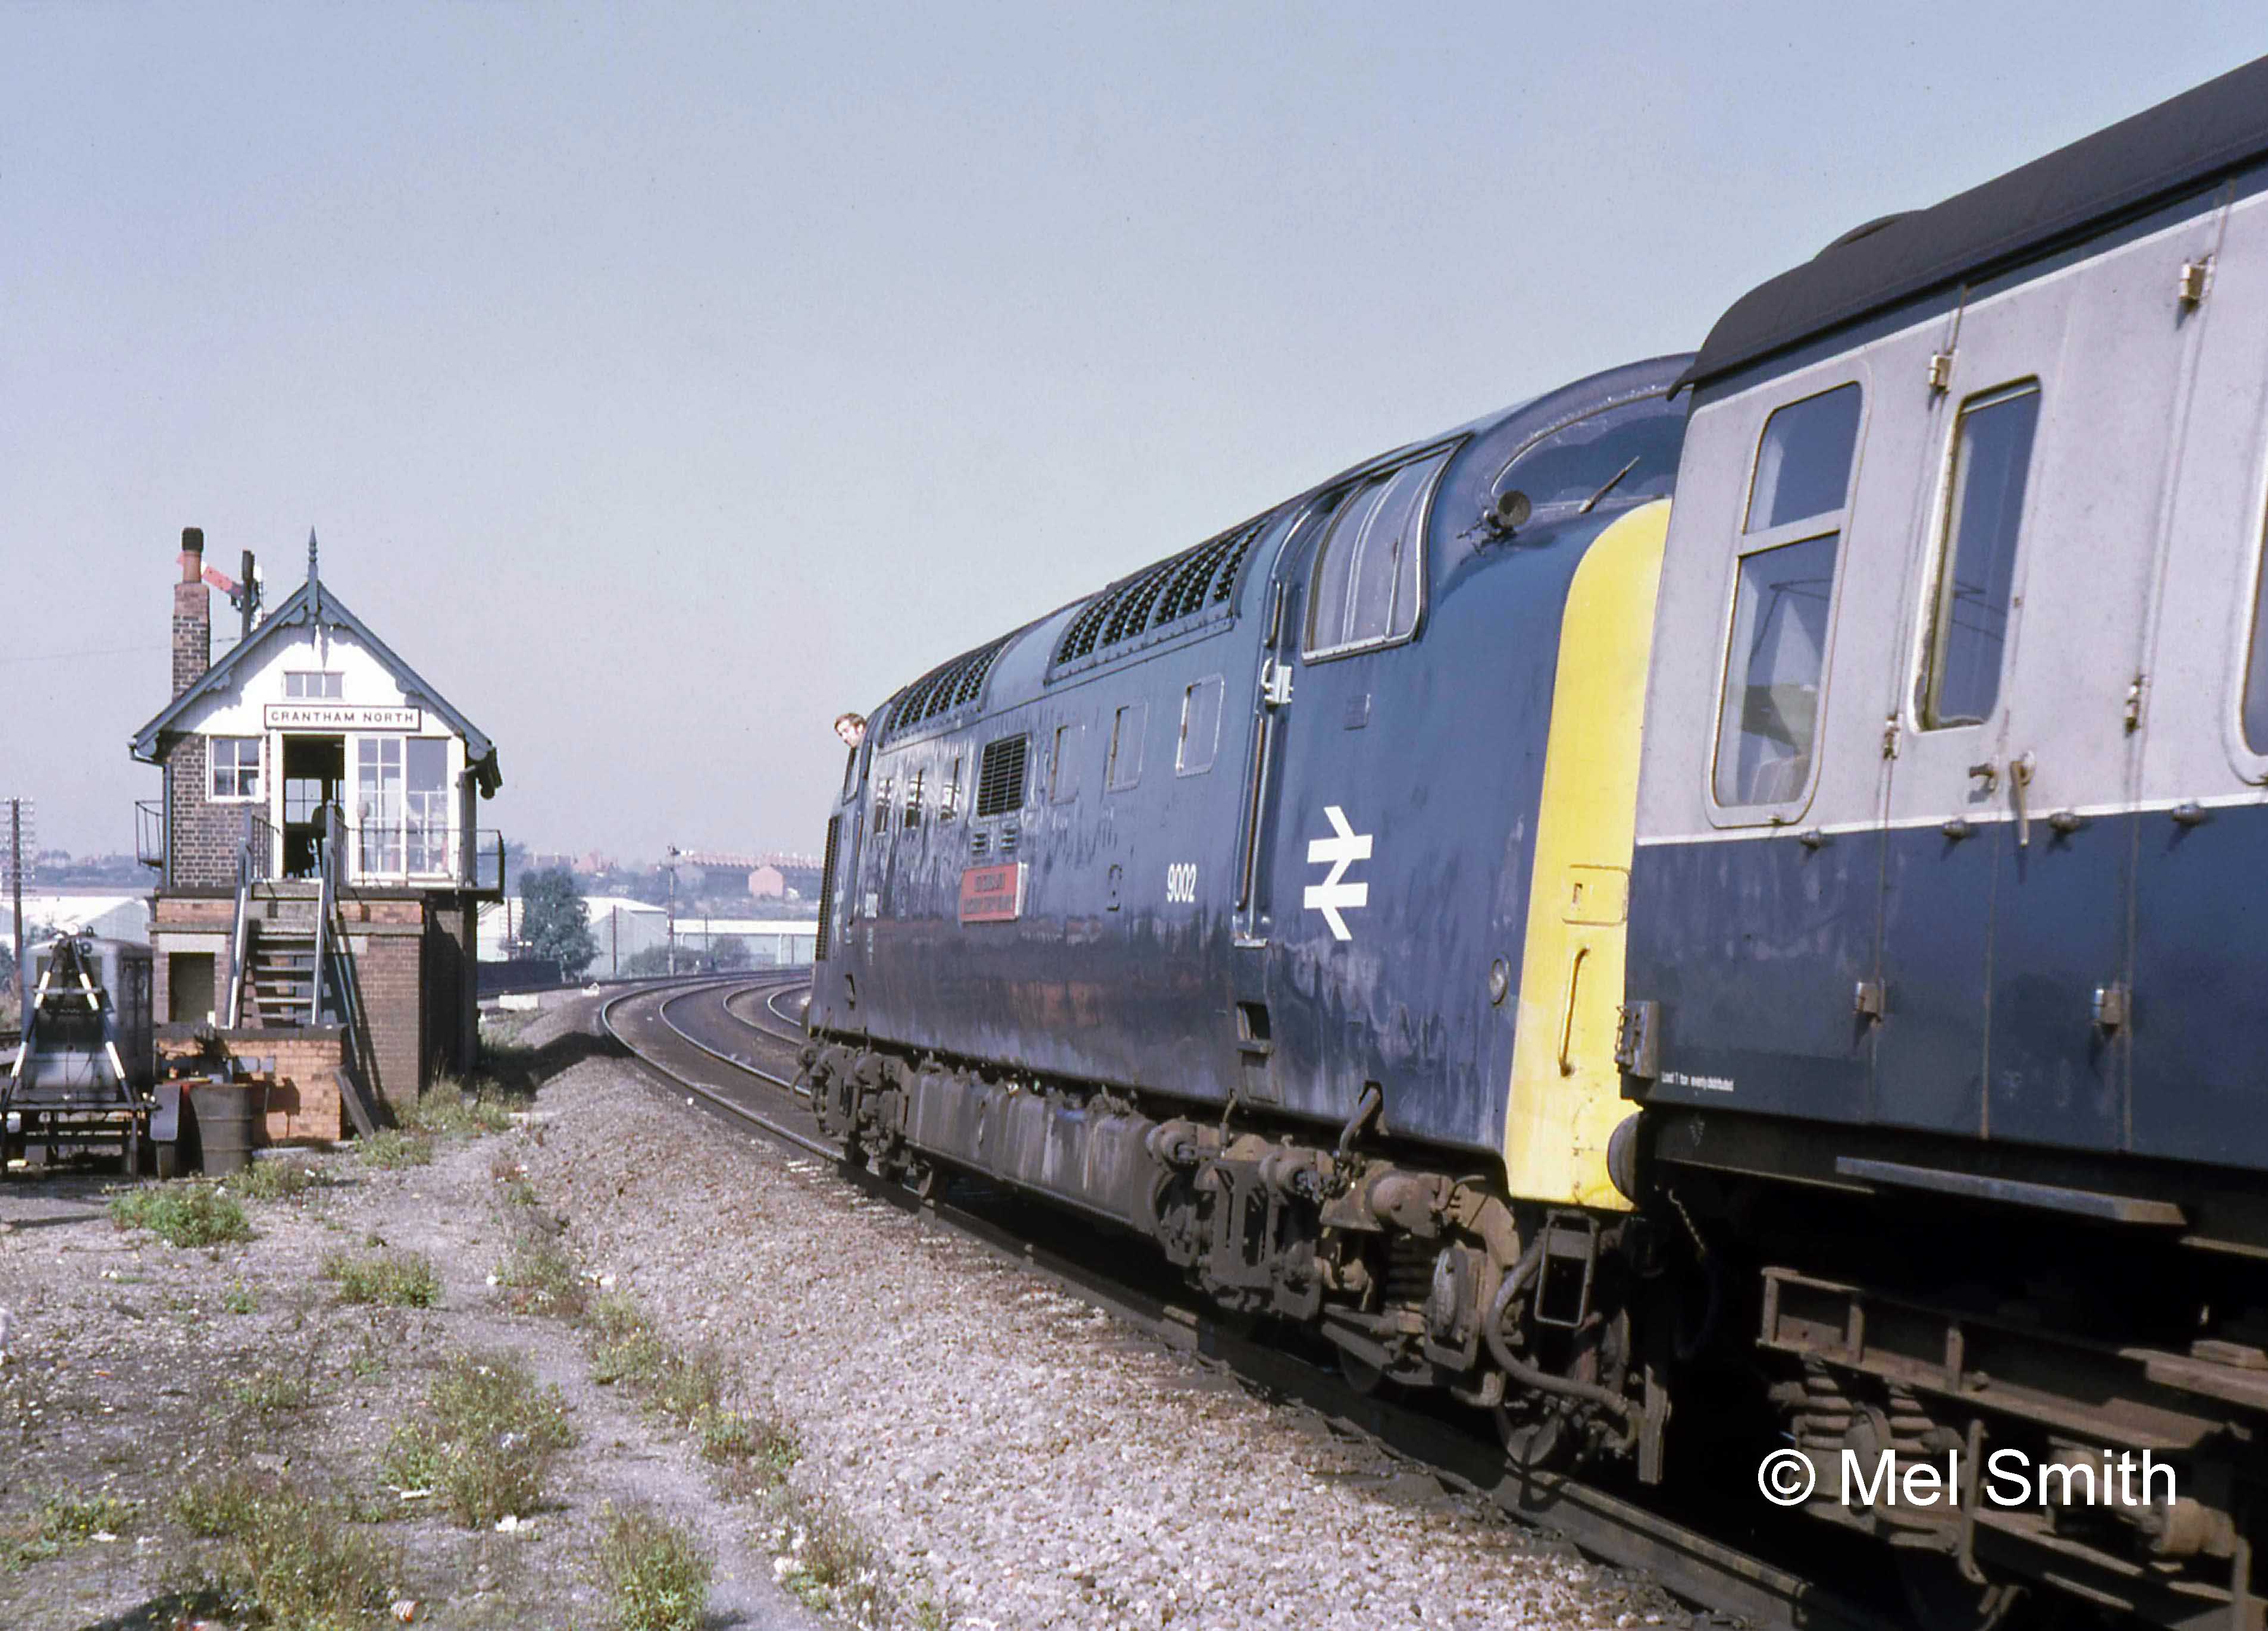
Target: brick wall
x=298 y=1069
x=201 y=835
x=389 y=970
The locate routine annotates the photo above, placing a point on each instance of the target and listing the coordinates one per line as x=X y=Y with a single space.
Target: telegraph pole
x=15 y=887
x=672 y=853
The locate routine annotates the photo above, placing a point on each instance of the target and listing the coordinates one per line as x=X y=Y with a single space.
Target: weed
x=393 y=1149
x=835 y=1568
x=187 y=1212
x=487 y=1441
x=239 y=1299
x=270 y=1391
x=389 y=1279
x=63 y=1520
x=451 y=1112
x=273 y=1180
x=541 y=1279
x=286 y=1559
x=657 y=1574
x=624 y=1348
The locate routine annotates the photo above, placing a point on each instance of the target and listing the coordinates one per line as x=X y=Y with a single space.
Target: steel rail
x=1719 y=1577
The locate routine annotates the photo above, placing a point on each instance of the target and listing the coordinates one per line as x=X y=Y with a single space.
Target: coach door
x=1956 y=783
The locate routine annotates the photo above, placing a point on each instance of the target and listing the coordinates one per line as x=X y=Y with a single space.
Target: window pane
x=1335 y=556
x=1574 y=462
x=1126 y=745
x=1366 y=577
x=1773 y=672
x=1200 y=727
x=1803 y=466
x=1985 y=506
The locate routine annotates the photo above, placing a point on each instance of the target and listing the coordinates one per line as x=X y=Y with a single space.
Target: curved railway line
x=731 y=1043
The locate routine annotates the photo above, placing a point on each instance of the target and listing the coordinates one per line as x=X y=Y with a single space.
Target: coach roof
x=2178 y=146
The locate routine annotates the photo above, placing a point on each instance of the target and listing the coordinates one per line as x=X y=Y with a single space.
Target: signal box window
x=1126 y=730
x=1370 y=568
x=1977 y=563
x=235 y=765
x=1803 y=465
x=1770 y=711
x=1000 y=777
x=1063 y=767
x=1200 y=728
x=319 y=687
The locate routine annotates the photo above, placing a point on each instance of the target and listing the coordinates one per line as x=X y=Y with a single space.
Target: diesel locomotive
x=1580 y=951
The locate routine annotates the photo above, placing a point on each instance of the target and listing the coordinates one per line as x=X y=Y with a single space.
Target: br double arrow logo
x=1341 y=852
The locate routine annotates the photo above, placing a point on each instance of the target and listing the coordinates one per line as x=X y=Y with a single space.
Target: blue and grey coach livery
x=1723 y=900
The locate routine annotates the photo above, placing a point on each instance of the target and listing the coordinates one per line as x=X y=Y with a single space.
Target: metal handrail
x=149 y=832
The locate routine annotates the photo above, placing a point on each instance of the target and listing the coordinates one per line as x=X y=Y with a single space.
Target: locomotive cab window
x=1783 y=601
x=1977 y=556
x=1369 y=577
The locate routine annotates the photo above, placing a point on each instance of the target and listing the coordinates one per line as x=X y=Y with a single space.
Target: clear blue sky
x=665 y=380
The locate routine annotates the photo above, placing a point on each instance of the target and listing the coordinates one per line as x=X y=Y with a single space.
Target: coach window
x=1783 y=599
x=1062 y=766
x=1126 y=728
x=1369 y=579
x=235 y=767
x=1977 y=556
x=1200 y=728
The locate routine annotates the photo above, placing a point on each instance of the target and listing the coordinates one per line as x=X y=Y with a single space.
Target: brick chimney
x=192 y=613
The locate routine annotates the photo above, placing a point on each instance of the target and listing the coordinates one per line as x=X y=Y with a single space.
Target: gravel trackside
x=1012 y=1455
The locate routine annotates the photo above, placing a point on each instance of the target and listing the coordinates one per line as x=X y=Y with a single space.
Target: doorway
x=314 y=776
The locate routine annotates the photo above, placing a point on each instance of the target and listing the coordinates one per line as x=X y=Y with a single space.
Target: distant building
x=766 y=884
x=107 y=915
x=319 y=857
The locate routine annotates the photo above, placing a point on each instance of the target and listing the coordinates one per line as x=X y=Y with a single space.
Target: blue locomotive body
x=1242 y=846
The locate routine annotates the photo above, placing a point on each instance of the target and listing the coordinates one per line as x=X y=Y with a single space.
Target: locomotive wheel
x=1536 y=1444
x=1360 y=1374
x=1941 y=1598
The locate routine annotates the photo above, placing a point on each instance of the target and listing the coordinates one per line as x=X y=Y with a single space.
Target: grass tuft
x=187 y=1212
x=387 y=1279
x=62 y=1520
x=274 y=1179
x=656 y=1573
x=268 y=1392
x=486 y=1441
x=541 y=1280
x=286 y=1559
x=393 y=1149
x=451 y=1111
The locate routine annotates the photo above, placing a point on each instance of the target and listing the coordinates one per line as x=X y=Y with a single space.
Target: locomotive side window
x=1976 y=560
x=948 y=795
x=1804 y=464
x=883 y=791
x=1000 y=777
x=1063 y=767
x=1369 y=573
x=1770 y=709
x=235 y=765
x=1126 y=730
x=1200 y=728
x=914 y=797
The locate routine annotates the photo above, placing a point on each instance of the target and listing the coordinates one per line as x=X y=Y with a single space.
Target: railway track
x=732 y=1044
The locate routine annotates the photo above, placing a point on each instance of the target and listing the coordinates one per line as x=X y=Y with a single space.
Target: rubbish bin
x=224 y=1111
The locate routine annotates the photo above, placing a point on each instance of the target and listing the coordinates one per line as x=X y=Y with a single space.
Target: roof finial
x=311 y=555
x=314 y=583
